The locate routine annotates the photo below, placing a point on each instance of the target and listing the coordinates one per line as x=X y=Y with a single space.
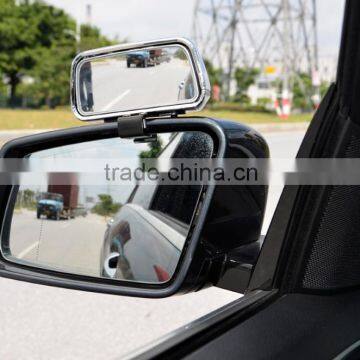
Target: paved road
x=39 y=322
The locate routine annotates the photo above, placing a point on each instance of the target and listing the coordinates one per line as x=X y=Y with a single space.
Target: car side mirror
x=143 y=232
x=168 y=237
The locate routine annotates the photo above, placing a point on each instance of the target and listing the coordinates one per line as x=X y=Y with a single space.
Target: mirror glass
x=136 y=79
x=84 y=222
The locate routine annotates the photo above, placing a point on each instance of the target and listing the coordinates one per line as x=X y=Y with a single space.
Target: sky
x=137 y=20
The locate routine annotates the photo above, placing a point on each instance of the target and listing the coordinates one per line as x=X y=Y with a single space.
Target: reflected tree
x=26 y=199
x=155 y=148
x=106 y=206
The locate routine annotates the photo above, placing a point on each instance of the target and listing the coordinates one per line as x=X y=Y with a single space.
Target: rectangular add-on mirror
x=114 y=227
x=138 y=78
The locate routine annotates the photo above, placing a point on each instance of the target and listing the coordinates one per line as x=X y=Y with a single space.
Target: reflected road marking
x=27 y=250
x=113 y=102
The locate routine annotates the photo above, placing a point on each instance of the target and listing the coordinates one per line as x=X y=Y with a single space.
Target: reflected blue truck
x=138 y=58
x=51 y=205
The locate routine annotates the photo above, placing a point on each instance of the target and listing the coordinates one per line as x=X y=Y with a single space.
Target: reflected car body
x=145 y=238
x=186 y=88
x=147 y=248
x=138 y=58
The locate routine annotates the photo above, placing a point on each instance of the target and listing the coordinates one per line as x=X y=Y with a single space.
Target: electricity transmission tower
x=277 y=36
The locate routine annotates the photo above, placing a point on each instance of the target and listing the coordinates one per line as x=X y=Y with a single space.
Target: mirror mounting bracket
x=135 y=125
x=146 y=139
x=131 y=126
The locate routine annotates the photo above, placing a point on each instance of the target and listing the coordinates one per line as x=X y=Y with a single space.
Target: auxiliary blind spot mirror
x=158 y=77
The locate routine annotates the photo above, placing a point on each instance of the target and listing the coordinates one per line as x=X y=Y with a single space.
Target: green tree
x=26 y=30
x=302 y=91
x=106 y=206
x=324 y=87
x=26 y=199
x=39 y=40
x=91 y=38
x=155 y=148
x=51 y=78
x=29 y=197
x=215 y=75
x=244 y=77
x=180 y=54
x=16 y=38
x=51 y=73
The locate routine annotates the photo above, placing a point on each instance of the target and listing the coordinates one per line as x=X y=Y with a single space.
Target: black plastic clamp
x=131 y=126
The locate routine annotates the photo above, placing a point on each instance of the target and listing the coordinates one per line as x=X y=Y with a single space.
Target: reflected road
x=114 y=90
x=80 y=239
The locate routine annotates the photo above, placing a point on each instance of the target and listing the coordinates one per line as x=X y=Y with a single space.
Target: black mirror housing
x=227 y=224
